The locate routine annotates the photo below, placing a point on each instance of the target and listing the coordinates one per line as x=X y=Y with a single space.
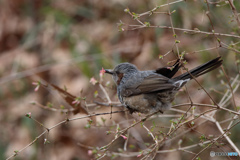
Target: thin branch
x=207 y=105
x=56 y=125
x=154 y=9
x=235 y=13
x=106 y=147
x=227 y=138
x=189 y=30
x=214 y=141
x=106 y=94
x=155 y=140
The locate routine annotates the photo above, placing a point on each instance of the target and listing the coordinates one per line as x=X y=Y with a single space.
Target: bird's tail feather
x=200 y=70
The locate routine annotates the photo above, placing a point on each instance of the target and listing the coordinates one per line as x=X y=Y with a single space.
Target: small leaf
x=50 y=105
x=132 y=146
x=160 y=56
x=147 y=24
x=103 y=119
x=95 y=94
x=177 y=41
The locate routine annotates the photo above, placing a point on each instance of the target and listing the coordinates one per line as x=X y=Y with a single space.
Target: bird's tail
x=200 y=70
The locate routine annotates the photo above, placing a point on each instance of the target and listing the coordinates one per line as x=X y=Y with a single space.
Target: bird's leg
x=131 y=110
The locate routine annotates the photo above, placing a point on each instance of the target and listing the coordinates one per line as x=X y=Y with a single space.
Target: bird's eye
x=117 y=72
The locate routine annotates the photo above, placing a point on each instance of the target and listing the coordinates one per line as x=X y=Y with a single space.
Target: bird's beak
x=109 y=71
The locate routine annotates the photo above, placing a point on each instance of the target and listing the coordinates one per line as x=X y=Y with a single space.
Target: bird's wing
x=169 y=71
x=145 y=82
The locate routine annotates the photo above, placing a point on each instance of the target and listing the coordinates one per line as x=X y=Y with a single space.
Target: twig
x=154 y=139
x=186 y=147
x=214 y=141
x=226 y=136
x=207 y=105
x=235 y=13
x=52 y=109
x=106 y=94
x=58 y=124
x=106 y=147
x=154 y=9
x=189 y=30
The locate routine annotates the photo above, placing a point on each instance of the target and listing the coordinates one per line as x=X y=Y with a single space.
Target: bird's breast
x=144 y=103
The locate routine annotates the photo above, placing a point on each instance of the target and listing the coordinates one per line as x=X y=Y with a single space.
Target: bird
x=151 y=91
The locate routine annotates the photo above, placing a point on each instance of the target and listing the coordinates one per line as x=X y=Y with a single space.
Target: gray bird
x=153 y=90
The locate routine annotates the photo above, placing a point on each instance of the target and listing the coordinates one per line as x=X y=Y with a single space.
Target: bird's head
x=122 y=70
